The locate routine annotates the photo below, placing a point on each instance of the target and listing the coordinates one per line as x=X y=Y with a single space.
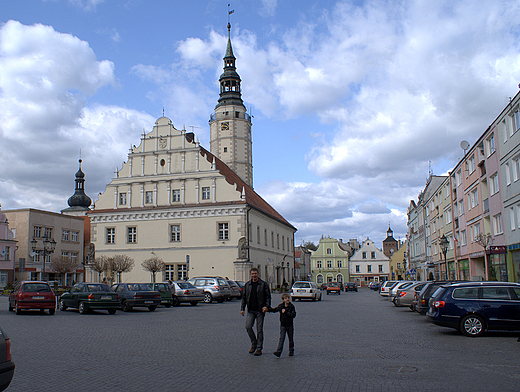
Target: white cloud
x=45 y=80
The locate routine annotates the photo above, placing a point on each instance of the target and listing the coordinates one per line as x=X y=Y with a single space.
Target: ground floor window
x=497 y=267
x=169 y=272
x=4 y=276
x=339 y=278
x=182 y=272
x=319 y=279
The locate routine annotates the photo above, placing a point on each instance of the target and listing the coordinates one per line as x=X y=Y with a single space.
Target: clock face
x=224 y=126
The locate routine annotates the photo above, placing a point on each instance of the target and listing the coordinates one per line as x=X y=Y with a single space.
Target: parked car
x=214 y=287
x=386 y=286
x=305 y=290
x=424 y=295
x=241 y=286
x=350 y=286
x=476 y=307
x=166 y=293
x=374 y=286
x=406 y=296
x=133 y=295
x=6 y=362
x=185 y=292
x=28 y=295
x=401 y=285
x=87 y=296
x=235 y=289
x=333 y=288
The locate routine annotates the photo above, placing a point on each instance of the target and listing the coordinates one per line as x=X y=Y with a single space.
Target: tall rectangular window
x=357 y=268
x=132 y=235
x=516 y=168
x=364 y=255
x=258 y=234
x=111 y=235
x=372 y=255
x=340 y=263
x=149 y=197
x=512 y=218
x=318 y=264
x=265 y=237
x=380 y=268
x=490 y=145
x=497 y=224
x=182 y=272
x=74 y=236
x=369 y=268
x=47 y=232
x=223 y=231
x=169 y=272
x=508 y=173
x=175 y=233
x=461 y=207
x=37 y=232
x=65 y=235
x=329 y=263
x=493 y=184
x=176 y=195
x=122 y=198
x=205 y=193
x=277 y=241
x=463 y=239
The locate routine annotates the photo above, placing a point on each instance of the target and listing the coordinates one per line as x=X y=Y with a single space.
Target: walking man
x=257 y=297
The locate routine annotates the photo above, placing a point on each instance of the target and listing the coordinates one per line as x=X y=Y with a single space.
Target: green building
x=329 y=263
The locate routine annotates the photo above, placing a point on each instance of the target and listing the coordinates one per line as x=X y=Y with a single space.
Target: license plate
x=148 y=302
x=38 y=297
x=301 y=291
x=106 y=297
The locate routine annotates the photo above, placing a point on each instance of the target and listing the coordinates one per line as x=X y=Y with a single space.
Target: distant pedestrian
x=257 y=297
x=287 y=314
x=104 y=281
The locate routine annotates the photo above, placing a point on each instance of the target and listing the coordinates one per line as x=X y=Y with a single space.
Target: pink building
x=7 y=252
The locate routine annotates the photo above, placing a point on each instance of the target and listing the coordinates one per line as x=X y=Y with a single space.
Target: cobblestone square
x=352 y=342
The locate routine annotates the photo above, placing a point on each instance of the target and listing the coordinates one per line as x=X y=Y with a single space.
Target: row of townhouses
x=466 y=225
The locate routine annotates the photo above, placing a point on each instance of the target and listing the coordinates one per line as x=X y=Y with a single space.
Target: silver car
x=215 y=288
x=185 y=292
x=305 y=290
x=406 y=296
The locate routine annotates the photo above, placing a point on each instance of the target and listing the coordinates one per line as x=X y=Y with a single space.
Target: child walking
x=287 y=314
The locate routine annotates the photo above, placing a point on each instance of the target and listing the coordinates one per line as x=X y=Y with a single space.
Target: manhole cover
x=401 y=369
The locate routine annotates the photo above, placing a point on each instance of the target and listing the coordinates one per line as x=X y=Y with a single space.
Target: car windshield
x=92 y=288
x=138 y=287
x=185 y=285
x=32 y=287
x=222 y=282
x=405 y=285
x=333 y=284
x=301 y=285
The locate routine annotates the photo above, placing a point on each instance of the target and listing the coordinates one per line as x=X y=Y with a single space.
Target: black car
x=475 y=307
x=6 y=363
x=137 y=295
x=90 y=296
x=350 y=286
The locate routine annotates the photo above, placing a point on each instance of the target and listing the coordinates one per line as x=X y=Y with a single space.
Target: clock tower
x=230 y=125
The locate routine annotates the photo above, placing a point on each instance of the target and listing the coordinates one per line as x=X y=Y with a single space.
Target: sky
x=353 y=102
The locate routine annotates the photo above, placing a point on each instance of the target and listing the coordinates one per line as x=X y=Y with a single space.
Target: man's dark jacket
x=263 y=296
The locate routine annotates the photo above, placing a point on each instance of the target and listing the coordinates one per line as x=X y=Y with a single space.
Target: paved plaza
x=352 y=342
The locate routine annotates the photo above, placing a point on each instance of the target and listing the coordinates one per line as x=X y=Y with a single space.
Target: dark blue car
x=474 y=308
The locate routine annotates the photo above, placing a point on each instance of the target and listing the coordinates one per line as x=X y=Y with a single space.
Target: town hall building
x=193 y=208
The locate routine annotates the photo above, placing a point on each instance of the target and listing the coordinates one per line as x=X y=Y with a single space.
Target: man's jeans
x=258 y=339
x=290 y=333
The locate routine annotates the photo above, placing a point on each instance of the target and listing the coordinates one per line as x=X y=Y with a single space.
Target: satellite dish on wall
x=464 y=145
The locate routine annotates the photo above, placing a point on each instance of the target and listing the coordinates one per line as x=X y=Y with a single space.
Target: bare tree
x=100 y=265
x=310 y=245
x=120 y=264
x=153 y=265
x=485 y=240
x=64 y=265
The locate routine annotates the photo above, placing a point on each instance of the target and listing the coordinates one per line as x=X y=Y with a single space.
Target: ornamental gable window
x=122 y=198
x=176 y=195
x=149 y=197
x=205 y=193
x=372 y=255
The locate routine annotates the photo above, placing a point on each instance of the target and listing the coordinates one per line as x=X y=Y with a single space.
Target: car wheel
x=52 y=311
x=208 y=298
x=62 y=305
x=126 y=307
x=82 y=308
x=112 y=311
x=176 y=301
x=472 y=325
x=17 y=309
x=152 y=308
x=194 y=303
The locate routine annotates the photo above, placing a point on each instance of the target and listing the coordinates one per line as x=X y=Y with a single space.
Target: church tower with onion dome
x=79 y=202
x=230 y=124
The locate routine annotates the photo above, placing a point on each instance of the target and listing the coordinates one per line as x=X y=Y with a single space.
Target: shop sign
x=514 y=247
x=497 y=249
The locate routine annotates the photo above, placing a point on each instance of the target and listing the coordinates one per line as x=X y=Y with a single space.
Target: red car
x=333 y=287
x=32 y=295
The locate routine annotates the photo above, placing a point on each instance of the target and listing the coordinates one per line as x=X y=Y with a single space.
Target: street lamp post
x=48 y=248
x=444 y=247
